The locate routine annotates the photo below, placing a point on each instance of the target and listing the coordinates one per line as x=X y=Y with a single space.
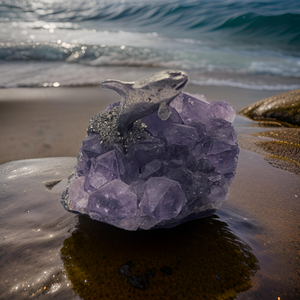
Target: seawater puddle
x=48 y=252
x=249 y=248
x=267 y=199
x=33 y=228
x=199 y=259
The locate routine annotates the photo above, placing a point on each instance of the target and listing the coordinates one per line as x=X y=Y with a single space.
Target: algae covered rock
x=283 y=108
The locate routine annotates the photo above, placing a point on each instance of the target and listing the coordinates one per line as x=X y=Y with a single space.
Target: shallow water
x=222 y=42
x=266 y=200
x=50 y=253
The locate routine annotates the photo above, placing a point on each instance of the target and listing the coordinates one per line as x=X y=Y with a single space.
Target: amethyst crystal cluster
x=158 y=173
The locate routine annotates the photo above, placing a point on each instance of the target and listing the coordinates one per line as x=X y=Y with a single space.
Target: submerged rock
x=159 y=173
x=283 y=108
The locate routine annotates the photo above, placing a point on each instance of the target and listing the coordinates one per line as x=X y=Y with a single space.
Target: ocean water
x=250 y=44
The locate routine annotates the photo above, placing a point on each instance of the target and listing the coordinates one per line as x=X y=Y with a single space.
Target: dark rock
x=283 y=108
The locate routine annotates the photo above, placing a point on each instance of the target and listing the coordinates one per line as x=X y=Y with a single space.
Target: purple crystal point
x=171 y=160
x=153 y=168
x=178 y=134
x=112 y=202
x=205 y=166
x=83 y=165
x=155 y=125
x=191 y=109
x=200 y=187
x=225 y=162
x=79 y=198
x=91 y=145
x=163 y=198
x=138 y=188
x=145 y=151
x=104 y=168
x=217 y=147
x=179 y=173
x=223 y=110
x=129 y=170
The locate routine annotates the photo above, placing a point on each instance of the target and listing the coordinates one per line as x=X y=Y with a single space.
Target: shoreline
x=45 y=73
x=51 y=122
x=262 y=208
x=261 y=214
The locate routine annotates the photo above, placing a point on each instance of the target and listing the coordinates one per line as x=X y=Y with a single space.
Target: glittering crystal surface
x=162 y=173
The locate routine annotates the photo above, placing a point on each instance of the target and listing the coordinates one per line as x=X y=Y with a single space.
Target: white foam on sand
x=54 y=74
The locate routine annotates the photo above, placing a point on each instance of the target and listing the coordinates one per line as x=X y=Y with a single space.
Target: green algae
x=269 y=122
x=282 y=150
x=207 y=261
x=282 y=110
x=285 y=146
x=291 y=136
x=290 y=114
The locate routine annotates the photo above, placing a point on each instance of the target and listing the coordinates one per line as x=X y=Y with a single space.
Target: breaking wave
x=247 y=37
x=201 y=59
x=261 y=21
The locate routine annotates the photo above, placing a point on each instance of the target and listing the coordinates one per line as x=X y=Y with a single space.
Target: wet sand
x=262 y=209
x=51 y=122
x=48 y=253
x=37 y=123
x=268 y=200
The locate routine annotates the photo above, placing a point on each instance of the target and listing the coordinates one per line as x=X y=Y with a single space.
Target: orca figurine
x=147 y=95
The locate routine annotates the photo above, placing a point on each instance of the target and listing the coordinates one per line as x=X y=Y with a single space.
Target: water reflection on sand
x=199 y=259
x=47 y=252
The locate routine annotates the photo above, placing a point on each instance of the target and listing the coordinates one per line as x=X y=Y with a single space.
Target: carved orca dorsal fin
x=121 y=87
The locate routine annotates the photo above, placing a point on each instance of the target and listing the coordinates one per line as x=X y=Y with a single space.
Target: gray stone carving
x=147 y=95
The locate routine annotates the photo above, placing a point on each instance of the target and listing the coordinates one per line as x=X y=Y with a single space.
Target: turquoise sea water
x=218 y=42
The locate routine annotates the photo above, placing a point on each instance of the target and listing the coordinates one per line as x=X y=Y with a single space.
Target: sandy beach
x=51 y=122
x=262 y=209
x=54 y=55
